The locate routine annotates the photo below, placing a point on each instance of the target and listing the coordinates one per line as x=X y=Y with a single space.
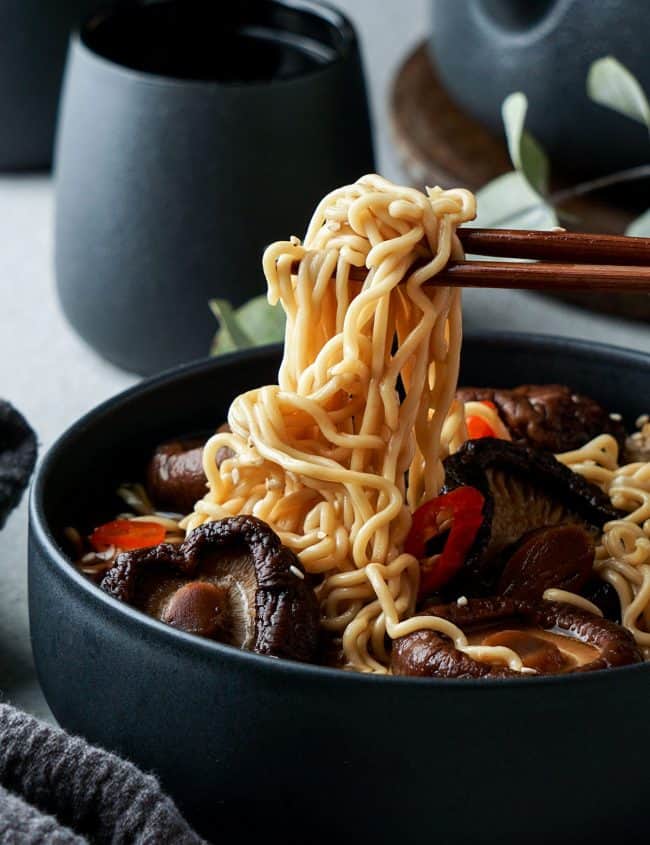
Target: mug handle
x=517 y=16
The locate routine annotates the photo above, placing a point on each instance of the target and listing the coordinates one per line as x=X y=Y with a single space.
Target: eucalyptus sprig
x=255 y=323
x=521 y=199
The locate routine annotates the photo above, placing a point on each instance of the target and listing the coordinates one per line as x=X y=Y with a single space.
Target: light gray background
x=52 y=377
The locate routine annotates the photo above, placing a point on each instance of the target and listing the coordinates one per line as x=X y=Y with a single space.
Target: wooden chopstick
x=545 y=276
x=568 y=261
x=573 y=247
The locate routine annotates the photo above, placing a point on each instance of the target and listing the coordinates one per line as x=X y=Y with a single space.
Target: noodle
x=323 y=456
x=555 y=594
x=623 y=554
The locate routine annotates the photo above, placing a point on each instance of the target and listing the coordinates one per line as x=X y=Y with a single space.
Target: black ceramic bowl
x=340 y=754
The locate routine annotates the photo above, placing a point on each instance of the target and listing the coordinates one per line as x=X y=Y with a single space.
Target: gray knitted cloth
x=59 y=790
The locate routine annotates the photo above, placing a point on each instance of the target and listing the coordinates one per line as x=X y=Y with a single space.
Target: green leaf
x=640 y=228
x=230 y=335
x=509 y=201
x=526 y=154
x=253 y=324
x=611 y=84
x=263 y=322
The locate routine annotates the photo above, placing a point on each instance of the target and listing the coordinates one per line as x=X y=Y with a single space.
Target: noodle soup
x=364 y=512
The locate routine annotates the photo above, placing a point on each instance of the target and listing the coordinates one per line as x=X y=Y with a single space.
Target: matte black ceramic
x=33 y=39
x=346 y=756
x=485 y=49
x=179 y=158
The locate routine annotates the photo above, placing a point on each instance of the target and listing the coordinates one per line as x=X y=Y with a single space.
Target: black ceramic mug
x=191 y=135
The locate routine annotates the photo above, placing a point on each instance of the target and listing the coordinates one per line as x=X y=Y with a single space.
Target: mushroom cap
x=427 y=653
x=272 y=608
x=524 y=489
x=559 y=556
x=547 y=416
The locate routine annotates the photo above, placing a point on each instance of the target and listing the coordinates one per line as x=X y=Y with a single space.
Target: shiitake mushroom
x=230 y=580
x=544 y=633
x=548 y=416
x=525 y=489
x=175 y=479
x=559 y=556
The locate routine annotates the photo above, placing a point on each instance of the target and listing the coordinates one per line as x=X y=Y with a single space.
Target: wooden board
x=439 y=144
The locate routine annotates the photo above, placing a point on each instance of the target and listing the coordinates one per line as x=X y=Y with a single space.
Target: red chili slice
x=464 y=508
x=127 y=534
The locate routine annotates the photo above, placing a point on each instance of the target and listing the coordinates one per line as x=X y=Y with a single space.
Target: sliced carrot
x=477 y=427
x=127 y=534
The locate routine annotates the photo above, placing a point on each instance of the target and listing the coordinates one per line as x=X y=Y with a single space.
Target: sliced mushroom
x=262 y=599
x=550 y=637
x=175 y=477
x=561 y=556
x=524 y=489
x=548 y=416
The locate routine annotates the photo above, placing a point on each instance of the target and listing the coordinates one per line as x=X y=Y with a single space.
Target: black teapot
x=484 y=49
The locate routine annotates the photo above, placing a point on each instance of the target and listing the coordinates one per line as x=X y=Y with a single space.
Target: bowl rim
x=49 y=547
x=323 y=10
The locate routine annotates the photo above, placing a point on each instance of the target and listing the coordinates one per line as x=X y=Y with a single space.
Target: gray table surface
x=52 y=377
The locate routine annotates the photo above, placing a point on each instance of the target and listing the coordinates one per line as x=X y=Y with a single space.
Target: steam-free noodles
x=322 y=457
x=364 y=513
x=623 y=554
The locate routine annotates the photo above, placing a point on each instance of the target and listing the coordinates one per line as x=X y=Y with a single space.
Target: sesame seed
x=295 y=571
x=461 y=601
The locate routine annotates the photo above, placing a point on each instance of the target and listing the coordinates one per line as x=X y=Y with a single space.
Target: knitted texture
x=17 y=457
x=22 y=824
x=67 y=791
